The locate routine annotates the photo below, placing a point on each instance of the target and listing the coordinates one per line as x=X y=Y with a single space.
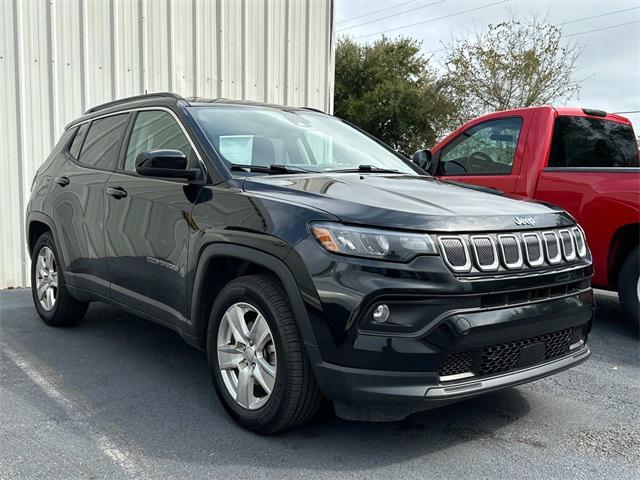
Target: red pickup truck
x=585 y=161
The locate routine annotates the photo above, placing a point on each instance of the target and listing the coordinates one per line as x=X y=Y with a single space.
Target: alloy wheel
x=246 y=355
x=46 y=278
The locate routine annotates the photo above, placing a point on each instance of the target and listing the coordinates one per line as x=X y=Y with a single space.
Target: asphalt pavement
x=119 y=397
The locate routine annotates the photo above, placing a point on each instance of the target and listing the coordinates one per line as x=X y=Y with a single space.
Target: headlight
x=373 y=243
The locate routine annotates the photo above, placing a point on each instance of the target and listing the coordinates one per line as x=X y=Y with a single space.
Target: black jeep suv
x=307 y=258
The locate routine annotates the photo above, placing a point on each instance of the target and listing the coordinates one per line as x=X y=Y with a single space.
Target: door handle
x=116 y=192
x=62 y=181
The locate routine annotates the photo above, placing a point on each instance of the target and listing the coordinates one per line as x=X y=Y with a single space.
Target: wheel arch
x=37 y=224
x=237 y=260
x=623 y=241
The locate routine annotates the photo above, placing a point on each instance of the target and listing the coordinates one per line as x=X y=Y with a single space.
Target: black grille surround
x=513 y=252
x=505 y=357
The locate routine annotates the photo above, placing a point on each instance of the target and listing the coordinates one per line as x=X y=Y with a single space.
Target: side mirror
x=165 y=164
x=422 y=158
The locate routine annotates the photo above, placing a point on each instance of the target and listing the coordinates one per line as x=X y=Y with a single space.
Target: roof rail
x=135 y=97
x=311 y=109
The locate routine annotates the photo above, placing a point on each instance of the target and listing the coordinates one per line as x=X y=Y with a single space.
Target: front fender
x=277 y=266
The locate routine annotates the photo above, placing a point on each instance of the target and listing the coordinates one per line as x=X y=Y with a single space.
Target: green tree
x=386 y=89
x=511 y=64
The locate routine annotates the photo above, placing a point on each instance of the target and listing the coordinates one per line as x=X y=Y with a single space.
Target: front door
x=147 y=228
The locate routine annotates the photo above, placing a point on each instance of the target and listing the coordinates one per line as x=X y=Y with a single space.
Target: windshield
x=300 y=140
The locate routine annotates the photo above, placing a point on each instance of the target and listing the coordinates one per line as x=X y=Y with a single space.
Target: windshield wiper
x=274 y=168
x=365 y=168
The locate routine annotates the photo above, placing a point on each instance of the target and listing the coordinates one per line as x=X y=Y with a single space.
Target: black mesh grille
x=552 y=246
x=511 y=250
x=485 y=251
x=455 y=252
x=456 y=363
x=567 y=244
x=533 y=248
x=504 y=357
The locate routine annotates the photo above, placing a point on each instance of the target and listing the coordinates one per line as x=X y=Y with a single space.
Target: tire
x=629 y=287
x=63 y=310
x=294 y=397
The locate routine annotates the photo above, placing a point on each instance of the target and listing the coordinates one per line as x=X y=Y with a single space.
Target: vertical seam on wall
x=83 y=56
x=142 y=30
x=20 y=143
x=307 y=42
x=170 y=45
x=114 y=47
x=243 y=48
x=219 y=46
x=330 y=64
x=285 y=93
x=50 y=76
x=265 y=60
x=194 y=41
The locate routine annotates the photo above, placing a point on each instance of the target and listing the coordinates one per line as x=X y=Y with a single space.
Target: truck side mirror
x=422 y=158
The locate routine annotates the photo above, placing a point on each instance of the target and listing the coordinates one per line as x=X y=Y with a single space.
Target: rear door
x=148 y=222
x=77 y=201
x=488 y=153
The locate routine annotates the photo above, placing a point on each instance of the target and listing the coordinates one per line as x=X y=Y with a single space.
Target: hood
x=406 y=201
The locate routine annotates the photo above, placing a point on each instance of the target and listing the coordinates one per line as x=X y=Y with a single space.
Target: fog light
x=381 y=313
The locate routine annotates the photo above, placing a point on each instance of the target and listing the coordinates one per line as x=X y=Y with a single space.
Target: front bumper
x=500 y=330
x=370 y=395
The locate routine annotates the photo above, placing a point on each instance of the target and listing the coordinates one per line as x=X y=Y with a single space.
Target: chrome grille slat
x=552 y=247
x=533 y=249
x=511 y=252
x=455 y=252
x=568 y=248
x=485 y=252
x=578 y=237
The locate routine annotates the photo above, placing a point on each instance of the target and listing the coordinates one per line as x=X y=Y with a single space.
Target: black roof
x=169 y=98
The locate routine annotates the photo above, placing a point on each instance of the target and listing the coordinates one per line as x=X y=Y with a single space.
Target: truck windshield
x=592 y=143
x=300 y=140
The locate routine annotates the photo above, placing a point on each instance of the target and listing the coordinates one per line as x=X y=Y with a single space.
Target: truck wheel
x=258 y=363
x=629 y=287
x=50 y=296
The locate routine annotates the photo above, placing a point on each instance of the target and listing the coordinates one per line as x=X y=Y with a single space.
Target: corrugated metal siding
x=58 y=58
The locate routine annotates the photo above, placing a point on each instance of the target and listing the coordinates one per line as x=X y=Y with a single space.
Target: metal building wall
x=59 y=57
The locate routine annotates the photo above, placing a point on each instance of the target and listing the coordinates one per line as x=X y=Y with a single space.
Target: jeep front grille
x=513 y=251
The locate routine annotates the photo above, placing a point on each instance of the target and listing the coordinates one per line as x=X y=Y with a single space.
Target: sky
x=610 y=61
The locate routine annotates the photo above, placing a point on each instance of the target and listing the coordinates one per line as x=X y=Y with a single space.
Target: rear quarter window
x=580 y=142
x=74 y=148
x=101 y=146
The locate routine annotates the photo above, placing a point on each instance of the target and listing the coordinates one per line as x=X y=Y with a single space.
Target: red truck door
x=486 y=152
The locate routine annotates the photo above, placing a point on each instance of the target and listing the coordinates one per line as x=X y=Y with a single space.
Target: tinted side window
x=74 y=149
x=155 y=130
x=486 y=148
x=588 y=142
x=101 y=147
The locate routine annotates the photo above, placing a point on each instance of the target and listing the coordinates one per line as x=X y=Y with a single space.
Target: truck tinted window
x=101 y=147
x=487 y=148
x=587 y=142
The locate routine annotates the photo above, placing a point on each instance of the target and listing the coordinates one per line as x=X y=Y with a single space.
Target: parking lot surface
x=118 y=397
